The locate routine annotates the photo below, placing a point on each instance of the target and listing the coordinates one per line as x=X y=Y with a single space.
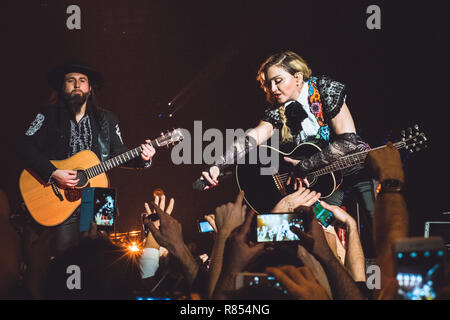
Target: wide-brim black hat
x=56 y=75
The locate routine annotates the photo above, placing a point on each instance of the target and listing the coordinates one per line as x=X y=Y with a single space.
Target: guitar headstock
x=413 y=139
x=170 y=137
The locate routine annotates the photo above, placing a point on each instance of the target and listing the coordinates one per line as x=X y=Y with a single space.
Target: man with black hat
x=74 y=123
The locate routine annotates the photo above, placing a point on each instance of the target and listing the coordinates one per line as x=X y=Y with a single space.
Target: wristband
x=391 y=186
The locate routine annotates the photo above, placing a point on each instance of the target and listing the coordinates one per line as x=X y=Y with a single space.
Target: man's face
x=76 y=88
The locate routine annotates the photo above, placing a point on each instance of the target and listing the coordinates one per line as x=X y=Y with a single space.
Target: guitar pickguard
x=72 y=195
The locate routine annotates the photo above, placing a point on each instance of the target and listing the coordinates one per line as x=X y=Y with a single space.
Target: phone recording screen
x=419 y=273
x=104 y=206
x=275 y=227
x=324 y=216
x=205 y=226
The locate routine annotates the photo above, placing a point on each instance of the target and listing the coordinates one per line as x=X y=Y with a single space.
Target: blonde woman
x=306 y=107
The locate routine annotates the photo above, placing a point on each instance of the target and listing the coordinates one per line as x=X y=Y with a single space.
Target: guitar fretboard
x=109 y=164
x=349 y=161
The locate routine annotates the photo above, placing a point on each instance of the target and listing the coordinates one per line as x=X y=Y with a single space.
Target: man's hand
x=147 y=151
x=299 y=282
x=65 y=178
x=169 y=234
x=341 y=216
x=301 y=197
x=239 y=252
x=385 y=163
x=229 y=216
x=212 y=221
x=150 y=241
x=314 y=241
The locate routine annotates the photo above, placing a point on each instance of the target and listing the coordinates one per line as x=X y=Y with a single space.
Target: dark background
x=151 y=51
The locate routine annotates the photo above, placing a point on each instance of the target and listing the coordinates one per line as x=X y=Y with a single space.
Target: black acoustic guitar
x=263 y=192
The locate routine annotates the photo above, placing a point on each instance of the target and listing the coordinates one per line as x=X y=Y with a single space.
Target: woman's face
x=281 y=86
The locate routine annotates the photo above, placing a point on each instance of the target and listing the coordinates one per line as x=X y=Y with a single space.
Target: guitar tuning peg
x=403 y=134
x=416 y=127
x=411 y=150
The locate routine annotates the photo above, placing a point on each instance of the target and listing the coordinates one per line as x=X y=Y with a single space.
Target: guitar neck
x=349 y=161
x=117 y=161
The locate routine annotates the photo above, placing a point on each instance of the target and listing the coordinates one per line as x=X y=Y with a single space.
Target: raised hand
x=239 y=251
x=169 y=234
x=301 y=197
x=231 y=215
x=299 y=282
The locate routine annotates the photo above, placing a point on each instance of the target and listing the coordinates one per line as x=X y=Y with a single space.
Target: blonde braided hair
x=292 y=63
x=286 y=135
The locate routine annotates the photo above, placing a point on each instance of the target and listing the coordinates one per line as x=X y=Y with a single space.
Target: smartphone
x=105 y=207
x=419 y=267
x=100 y=206
x=324 y=216
x=204 y=226
x=275 y=227
x=249 y=279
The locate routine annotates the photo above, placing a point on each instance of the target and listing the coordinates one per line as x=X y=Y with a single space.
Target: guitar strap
x=103 y=136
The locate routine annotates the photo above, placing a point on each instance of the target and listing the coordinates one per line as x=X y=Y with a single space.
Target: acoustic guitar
x=263 y=192
x=50 y=205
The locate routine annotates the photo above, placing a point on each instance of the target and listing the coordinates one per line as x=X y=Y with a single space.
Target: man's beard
x=75 y=101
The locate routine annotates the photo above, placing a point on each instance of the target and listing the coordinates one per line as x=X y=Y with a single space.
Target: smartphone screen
x=104 y=207
x=420 y=267
x=324 y=216
x=204 y=226
x=275 y=227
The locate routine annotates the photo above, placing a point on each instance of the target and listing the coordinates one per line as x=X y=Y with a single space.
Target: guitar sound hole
x=81 y=174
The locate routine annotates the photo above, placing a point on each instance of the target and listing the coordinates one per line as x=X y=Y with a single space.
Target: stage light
x=133 y=247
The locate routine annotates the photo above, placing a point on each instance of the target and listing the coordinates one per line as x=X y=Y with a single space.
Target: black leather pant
x=67 y=234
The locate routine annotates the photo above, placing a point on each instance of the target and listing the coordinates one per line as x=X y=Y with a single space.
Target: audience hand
x=341 y=216
x=212 y=221
x=314 y=240
x=385 y=163
x=299 y=282
x=239 y=252
x=301 y=197
x=169 y=234
x=229 y=216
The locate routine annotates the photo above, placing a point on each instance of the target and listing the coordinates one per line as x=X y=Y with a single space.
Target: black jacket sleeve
x=30 y=150
x=117 y=146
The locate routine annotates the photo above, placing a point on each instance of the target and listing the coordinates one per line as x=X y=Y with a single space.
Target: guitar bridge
x=279 y=183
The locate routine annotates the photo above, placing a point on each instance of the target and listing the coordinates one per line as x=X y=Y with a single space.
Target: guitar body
x=263 y=192
x=43 y=203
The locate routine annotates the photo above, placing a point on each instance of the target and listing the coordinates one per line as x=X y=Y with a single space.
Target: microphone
x=200 y=184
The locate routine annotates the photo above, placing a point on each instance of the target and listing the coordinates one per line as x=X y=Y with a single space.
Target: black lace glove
x=344 y=144
x=242 y=145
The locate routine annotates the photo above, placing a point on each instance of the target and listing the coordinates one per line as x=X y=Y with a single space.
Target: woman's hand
x=297 y=180
x=211 y=177
x=65 y=178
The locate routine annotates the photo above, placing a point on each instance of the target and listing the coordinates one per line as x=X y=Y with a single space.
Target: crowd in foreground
x=318 y=267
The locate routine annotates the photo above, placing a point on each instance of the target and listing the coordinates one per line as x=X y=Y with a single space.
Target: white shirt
x=310 y=126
